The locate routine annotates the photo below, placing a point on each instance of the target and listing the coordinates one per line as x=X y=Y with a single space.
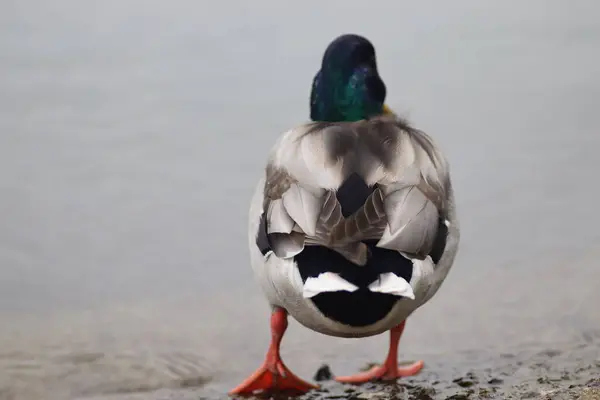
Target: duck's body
x=352 y=225
x=284 y=263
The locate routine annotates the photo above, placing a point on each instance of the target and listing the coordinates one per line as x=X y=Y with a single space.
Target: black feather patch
x=262 y=238
x=439 y=244
x=353 y=194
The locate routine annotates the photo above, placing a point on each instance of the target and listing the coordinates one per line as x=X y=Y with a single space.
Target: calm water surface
x=123 y=261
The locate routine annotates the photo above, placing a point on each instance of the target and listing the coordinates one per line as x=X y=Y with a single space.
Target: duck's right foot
x=390 y=370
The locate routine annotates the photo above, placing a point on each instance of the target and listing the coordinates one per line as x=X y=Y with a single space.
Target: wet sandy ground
x=561 y=372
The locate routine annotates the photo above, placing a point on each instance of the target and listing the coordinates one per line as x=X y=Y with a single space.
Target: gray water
x=123 y=261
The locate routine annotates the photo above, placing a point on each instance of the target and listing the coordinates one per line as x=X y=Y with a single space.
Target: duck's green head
x=348 y=86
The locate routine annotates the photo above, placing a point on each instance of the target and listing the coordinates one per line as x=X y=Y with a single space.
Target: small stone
x=593 y=383
x=422 y=393
x=462 y=382
x=323 y=373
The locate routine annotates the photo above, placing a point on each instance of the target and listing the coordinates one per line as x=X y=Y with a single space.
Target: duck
x=352 y=225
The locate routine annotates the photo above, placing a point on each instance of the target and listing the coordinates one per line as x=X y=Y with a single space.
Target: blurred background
x=123 y=259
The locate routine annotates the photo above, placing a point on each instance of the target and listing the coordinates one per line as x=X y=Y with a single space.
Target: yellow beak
x=387 y=110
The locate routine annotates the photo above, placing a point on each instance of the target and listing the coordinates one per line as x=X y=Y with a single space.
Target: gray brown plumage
x=311 y=162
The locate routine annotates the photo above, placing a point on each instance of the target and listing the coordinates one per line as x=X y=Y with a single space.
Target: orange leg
x=273 y=374
x=389 y=370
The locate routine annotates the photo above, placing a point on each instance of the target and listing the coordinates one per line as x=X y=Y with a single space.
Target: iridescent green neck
x=335 y=96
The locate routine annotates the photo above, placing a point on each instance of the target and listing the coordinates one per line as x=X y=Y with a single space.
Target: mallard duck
x=352 y=226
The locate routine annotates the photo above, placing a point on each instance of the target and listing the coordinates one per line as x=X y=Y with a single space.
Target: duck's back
x=339 y=184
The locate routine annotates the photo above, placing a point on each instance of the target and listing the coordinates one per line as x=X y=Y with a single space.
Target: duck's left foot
x=273 y=375
x=389 y=371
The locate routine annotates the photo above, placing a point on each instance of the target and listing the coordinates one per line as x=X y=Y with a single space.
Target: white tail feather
x=326 y=282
